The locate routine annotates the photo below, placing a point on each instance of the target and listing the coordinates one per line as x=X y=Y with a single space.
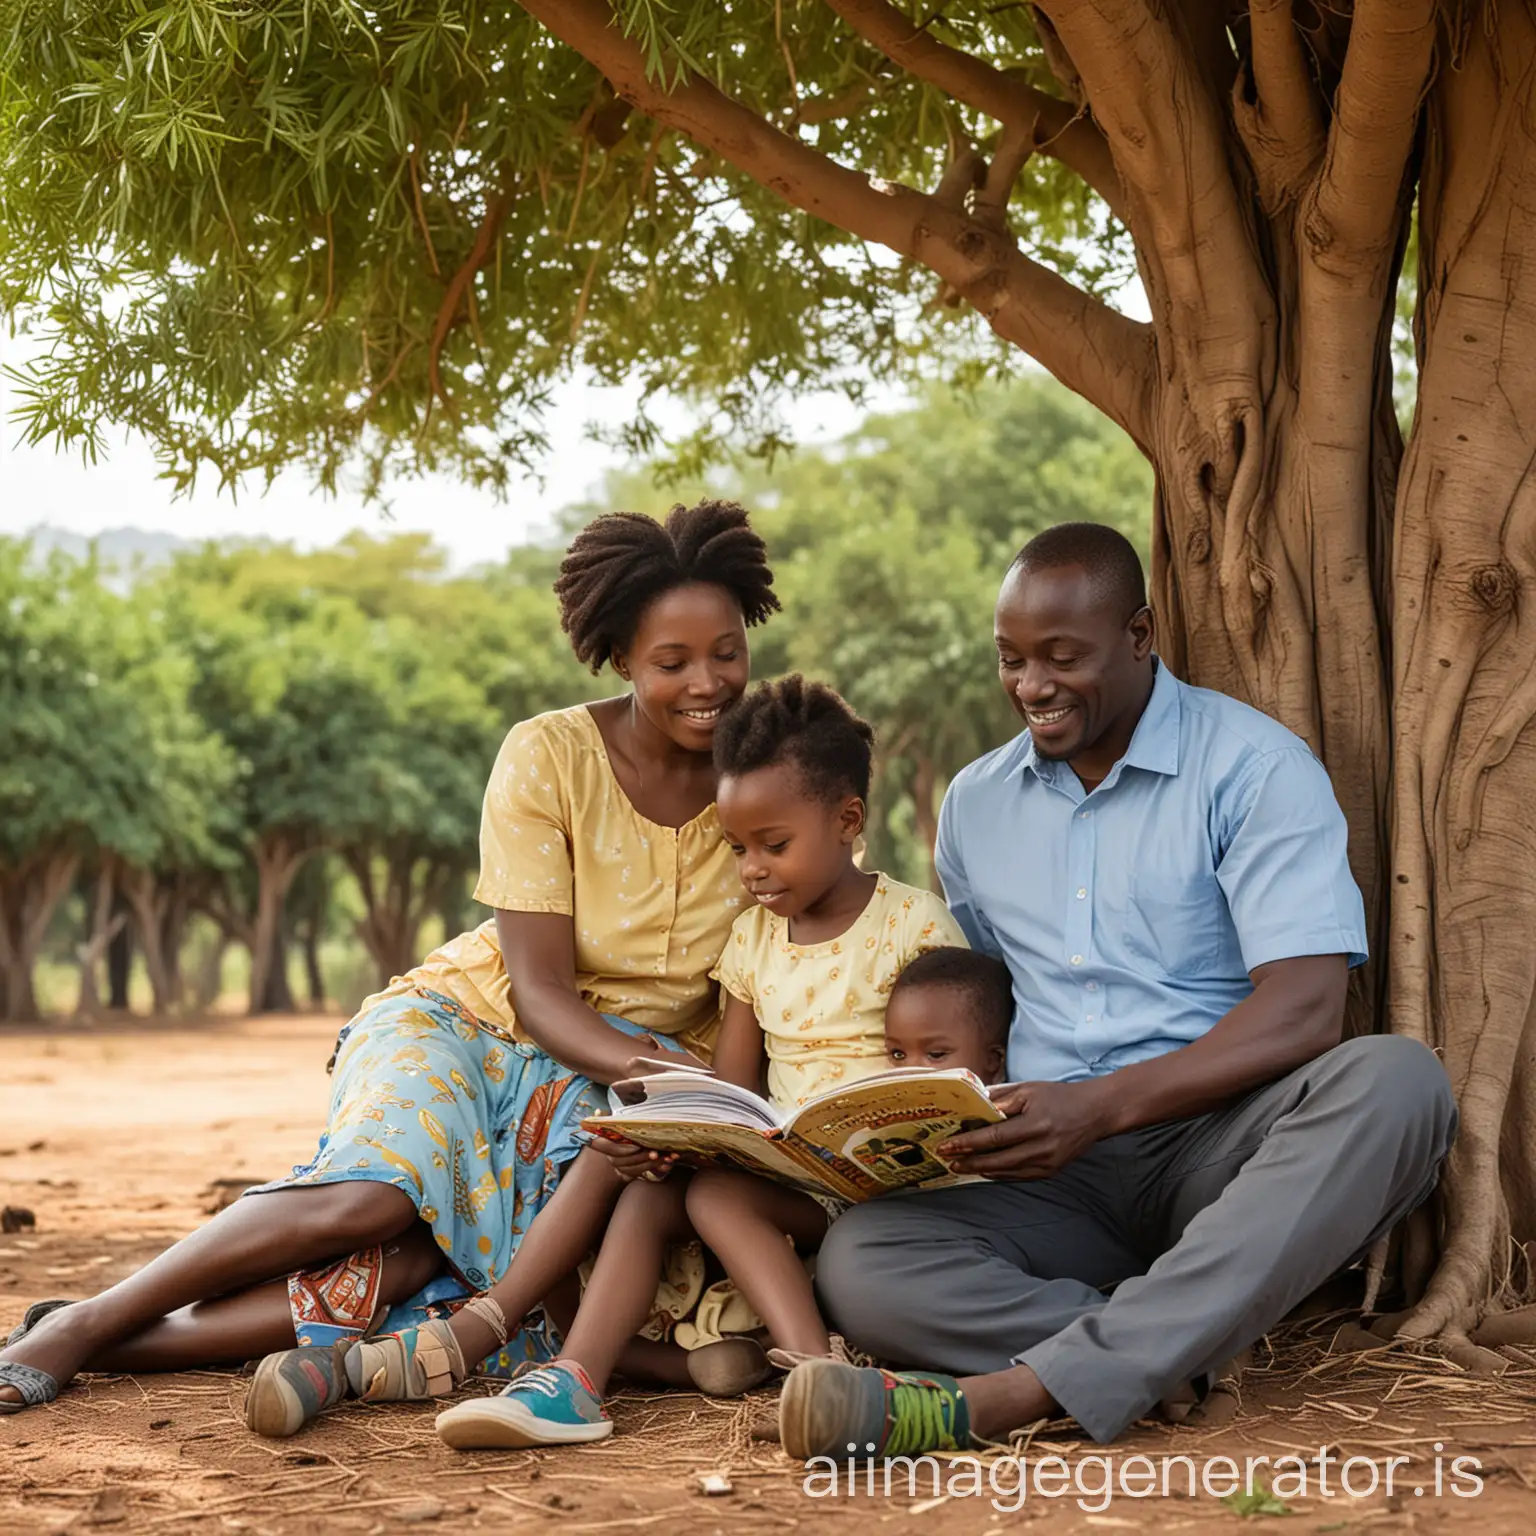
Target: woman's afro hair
x=804 y=724
x=622 y=562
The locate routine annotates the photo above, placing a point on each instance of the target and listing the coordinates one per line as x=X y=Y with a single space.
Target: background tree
x=104 y=764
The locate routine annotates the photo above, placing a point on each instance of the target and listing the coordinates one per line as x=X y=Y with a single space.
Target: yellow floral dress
x=822 y=1006
x=438 y=1091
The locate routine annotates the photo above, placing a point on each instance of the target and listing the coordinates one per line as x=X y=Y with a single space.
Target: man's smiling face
x=1073 y=665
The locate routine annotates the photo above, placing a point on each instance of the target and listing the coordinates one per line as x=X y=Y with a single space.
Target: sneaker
x=294 y=1387
x=554 y=1404
x=836 y=1410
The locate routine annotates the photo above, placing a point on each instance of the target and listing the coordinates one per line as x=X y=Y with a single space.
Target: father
x=1163 y=870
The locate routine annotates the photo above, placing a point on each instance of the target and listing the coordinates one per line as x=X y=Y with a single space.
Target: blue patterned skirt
x=475 y=1126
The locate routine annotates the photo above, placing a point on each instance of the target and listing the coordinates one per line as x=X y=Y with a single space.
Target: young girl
x=805 y=978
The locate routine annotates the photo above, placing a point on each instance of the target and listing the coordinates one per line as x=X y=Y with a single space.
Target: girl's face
x=790 y=847
x=687 y=661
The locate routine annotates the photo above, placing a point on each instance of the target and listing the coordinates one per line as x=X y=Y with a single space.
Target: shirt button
x=1077 y=959
x=1087 y=1018
x=1093 y=986
x=1082 y=892
x=1084 y=815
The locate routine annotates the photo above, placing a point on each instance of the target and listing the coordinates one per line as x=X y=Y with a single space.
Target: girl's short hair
x=622 y=562
x=806 y=725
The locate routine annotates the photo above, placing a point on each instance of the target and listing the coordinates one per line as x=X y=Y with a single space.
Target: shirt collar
x=1154 y=743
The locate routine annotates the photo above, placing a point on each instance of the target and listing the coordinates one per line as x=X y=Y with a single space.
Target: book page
x=689 y=1095
x=882 y=1130
x=734 y=1146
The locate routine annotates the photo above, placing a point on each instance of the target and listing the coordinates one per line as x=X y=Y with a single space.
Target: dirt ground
x=113 y=1135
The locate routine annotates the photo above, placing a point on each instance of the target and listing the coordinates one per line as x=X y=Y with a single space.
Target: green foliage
x=101 y=749
x=277 y=234
x=349 y=702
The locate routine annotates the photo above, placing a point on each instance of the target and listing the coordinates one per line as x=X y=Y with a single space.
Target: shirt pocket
x=1175 y=923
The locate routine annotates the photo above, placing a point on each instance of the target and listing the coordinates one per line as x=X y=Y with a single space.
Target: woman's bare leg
x=249 y=1324
x=259 y=1237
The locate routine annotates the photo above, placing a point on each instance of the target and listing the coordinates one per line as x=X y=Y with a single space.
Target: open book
x=866 y=1139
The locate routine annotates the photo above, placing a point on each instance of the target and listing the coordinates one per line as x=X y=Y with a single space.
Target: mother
x=452 y=1116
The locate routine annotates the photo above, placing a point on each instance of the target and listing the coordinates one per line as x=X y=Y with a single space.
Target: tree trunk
x=159 y=903
x=395 y=909
x=104 y=927
x=210 y=974
x=276 y=995
x=120 y=963
x=29 y=895
x=314 y=978
x=278 y=859
x=1464 y=860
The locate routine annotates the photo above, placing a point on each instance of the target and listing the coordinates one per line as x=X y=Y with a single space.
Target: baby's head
x=794 y=762
x=951 y=1007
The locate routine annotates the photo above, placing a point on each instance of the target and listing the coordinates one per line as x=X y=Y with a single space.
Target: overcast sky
x=41 y=486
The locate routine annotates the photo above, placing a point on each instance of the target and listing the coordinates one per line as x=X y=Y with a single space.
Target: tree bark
x=1464 y=860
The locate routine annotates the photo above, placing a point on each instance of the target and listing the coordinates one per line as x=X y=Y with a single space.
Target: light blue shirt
x=1131 y=917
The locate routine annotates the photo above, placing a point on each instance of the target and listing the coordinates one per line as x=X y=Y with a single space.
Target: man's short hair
x=1109 y=558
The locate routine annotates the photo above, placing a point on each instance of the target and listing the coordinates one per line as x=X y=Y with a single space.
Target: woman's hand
x=631 y=1162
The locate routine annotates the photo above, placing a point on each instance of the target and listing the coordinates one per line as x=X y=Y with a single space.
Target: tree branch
x=1283 y=127
x=1103 y=355
x=448 y=311
x=1376 y=114
x=1057 y=127
x=1171 y=141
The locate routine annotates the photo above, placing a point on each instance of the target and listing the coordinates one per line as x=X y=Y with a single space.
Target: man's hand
x=1048 y=1125
x=631 y=1162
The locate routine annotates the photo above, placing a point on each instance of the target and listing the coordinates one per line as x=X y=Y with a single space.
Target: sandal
x=36 y=1387
x=293 y=1387
x=417 y=1363
x=33 y=1316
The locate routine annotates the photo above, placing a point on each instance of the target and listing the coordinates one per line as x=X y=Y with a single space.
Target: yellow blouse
x=652 y=905
x=822 y=1006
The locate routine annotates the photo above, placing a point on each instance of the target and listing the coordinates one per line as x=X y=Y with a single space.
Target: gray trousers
x=1209 y=1229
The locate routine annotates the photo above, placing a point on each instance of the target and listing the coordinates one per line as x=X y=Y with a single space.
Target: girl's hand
x=663 y=1061
x=631 y=1162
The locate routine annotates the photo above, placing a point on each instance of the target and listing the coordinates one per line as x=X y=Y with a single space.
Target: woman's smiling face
x=687 y=661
